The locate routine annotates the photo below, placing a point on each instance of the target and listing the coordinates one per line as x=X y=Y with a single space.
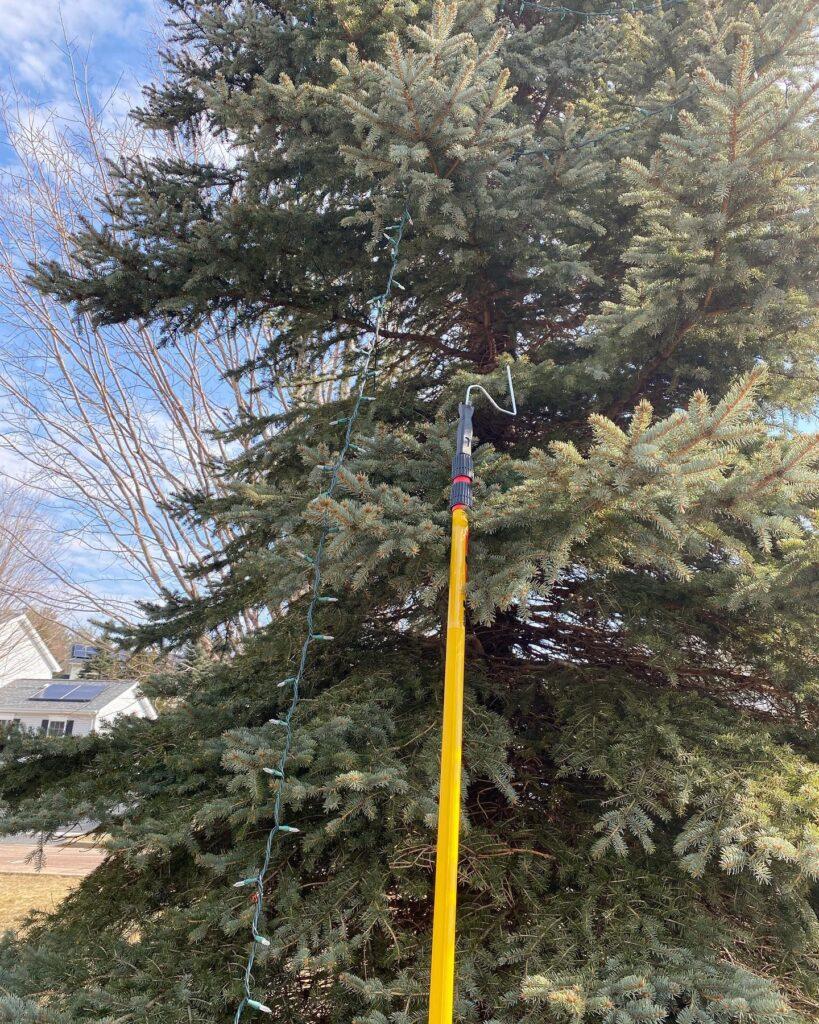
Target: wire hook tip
x=479 y=387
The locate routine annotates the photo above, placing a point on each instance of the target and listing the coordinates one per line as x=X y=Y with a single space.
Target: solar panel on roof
x=86 y=691
x=84 y=652
x=82 y=692
x=54 y=691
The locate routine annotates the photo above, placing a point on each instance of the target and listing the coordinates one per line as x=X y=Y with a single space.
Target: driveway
x=59 y=859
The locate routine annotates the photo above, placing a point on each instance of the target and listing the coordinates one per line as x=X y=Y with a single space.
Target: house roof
x=23 y=621
x=16 y=696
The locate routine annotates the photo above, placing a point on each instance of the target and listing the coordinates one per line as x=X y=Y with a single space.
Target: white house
x=23 y=652
x=32 y=698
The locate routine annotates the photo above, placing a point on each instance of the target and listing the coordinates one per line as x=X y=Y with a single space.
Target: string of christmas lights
x=393 y=234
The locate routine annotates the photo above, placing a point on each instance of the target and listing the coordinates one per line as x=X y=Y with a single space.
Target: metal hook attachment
x=479 y=387
x=462 y=468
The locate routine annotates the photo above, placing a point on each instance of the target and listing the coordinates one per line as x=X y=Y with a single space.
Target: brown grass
x=20 y=894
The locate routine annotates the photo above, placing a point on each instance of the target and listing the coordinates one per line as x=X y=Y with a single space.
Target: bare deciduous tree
x=25 y=551
x=109 y=423
x=28 y=580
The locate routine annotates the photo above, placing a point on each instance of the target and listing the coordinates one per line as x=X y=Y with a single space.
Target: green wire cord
x=394 y=234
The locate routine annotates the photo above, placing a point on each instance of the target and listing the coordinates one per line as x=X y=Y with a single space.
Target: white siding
x=20 y=656
x=83 y=724
x=127 y=703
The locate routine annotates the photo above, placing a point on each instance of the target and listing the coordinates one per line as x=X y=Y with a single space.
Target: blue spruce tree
x=621 y=199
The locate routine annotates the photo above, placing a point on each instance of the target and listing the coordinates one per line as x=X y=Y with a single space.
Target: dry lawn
x=20 y=894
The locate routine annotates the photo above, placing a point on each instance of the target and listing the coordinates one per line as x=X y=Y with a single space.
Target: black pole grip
x=462 y=466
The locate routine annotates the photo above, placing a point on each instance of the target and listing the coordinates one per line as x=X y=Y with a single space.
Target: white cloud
x=34 y=33
x=14 y=469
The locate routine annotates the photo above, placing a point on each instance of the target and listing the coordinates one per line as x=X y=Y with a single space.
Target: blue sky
x=112 y=45
x=115 y=39
x=87 y=415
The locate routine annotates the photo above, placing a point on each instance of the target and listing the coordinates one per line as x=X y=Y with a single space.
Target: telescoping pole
x=442 y=973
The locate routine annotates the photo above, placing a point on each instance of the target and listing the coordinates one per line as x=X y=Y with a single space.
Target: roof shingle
x=16 y=695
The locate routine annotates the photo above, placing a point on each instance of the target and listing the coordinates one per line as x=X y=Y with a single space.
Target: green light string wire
x=393 y=234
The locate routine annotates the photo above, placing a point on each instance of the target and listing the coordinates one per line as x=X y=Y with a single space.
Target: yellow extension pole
x=442 y=975
x=442 y=972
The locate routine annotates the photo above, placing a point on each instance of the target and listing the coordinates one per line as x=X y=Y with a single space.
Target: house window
x=52 y=728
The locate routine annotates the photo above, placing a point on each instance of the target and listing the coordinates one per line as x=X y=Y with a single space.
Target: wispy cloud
x=34 y=36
